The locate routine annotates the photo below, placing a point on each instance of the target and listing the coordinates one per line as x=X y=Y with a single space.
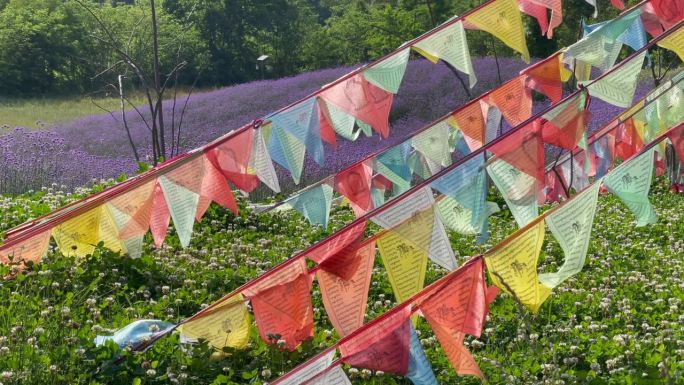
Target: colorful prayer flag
x=502 y=19
x=388 y=73
x=225 y=325
x=433 y=143
x=618 y=86
x=314 y=204
x=355 y=184
x=513 y=99
x=449 y=44
x=546 y=78
x=232 y=159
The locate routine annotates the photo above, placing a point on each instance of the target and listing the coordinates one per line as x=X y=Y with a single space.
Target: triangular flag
x=523 y=149
x=262 y=164
x=135 y=206
x=214 y=188
x=383 y=345
x=518 y=189
x=225 y=325
x=571 y=225
x=160 y=216
x=287 y=151
x=355 y=184
x=419 y=369
x=284 y=311
x=493 y=121
x=669 y=12
x=314 y=204
x=566 y=123
x=618 y=86
x=332 y=250
x=449 y=44
x=634 y=36
x=79 y=235
x=674 y=42
x=393 y=164
x=631 y=181
x=232 y=159
x=546 y=78
x=513 y=99
x=32 y=249
x=618 y=4
x=470 y=120
x=301 y=120
x=627 y=140
x=676 y=136
x=340 y=122
x=502 y=19
x=512 y=266
x=387 y=74
x=604 y=154
x=414 y=220
x=332 y=376
x=345 y=299
x=433 y=143
x=312 y=371
x=108 y=230
x=362 y=100
x=537 y=9
x=574 y=172
x=182 y=203
x=404 y=261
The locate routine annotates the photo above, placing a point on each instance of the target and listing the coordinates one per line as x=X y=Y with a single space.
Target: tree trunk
x=157 y=82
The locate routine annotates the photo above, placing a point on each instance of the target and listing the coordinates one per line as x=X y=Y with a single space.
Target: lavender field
x=74 y=154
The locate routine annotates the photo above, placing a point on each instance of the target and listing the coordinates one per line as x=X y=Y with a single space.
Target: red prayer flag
x=514 y=100
x=231 y=158
x=537 y=11
x=382 y=346
x=554 y=189
x=136 y=204
x=355 y=184
x=284 y=312
x=627 y=140
x=330 y=247
x=362 y=100
x=327 y=131
x=676 y=136
x=160 y=216
x=546 y=79
x=669 y=12
x=524 y=150
x=214 y=188
x=345 y=295
x=618 y=4
x=566 y=129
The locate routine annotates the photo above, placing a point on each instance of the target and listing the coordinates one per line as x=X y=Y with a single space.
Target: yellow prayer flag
x=405 y=264
x=79 y=235
x=513 y=267
x=502 y=19
x=226 y=325
x=674 y=42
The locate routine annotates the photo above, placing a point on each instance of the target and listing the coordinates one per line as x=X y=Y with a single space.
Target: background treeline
x=58 y=47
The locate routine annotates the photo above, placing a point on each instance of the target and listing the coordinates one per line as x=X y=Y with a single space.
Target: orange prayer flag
x=566 y=128
x=355 y=184
x=514 y=100
x=524 y=150
x=546 y=78
x=160 y=216
x=362 y=100
x=345 y=298
x=231 y=158
x=460 y=358
x=137 y=205
x=382 y=346
x=284 y=311
x=32 y=249
x=470 y=120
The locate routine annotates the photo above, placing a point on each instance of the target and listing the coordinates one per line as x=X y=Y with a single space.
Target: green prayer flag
x=571 y=225
x=342 y=123
x=631 y=181
x=314 y=204
x=433 y=143
x=449 y=44
x=388 y=73
x=618 y=87
x=518 y=189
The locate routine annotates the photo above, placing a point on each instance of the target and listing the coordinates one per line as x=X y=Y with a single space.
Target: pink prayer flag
x=514 y=100
x=136 y=204
x=345 y=295
x=32 y=249
x=214 y=188
x=382 y=346
x=554 y=190
x=330 y=248
x=470 y=121
x=652 y=23
x=160 y=216
x=362 y=100
x=669 y=12
x=676 y=136
x=188 y=174
x=627 y=140
x=355 y=184
x=618 y=4
x=546 y=79
x=231 y=158
x=524 y=150
x=345 y=263
x=284 y=312
x=537 y=11
x=327 y=131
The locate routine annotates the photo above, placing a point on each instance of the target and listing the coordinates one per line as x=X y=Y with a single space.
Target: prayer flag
x=160 y=216
x=393 y=164
x=387 y=74
x=470 y=120
x=546 y=78
x=566 y=123
x=260 y=161
x=345 y=297
x=502 y=19
x=513 y=99
x=32 y=249
x=518 y=189
x=571 y=225
x=419 y=369
x=631 y=181
x=314 y=204
x=382 y=346
x=449 y=44
x=512 y=266
x=287 y=151
x=225 y=325
x=355 y=183
x=674 y=42
x=232 y=159
x=433 y=143
x=301 y=121
x=618 y=86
